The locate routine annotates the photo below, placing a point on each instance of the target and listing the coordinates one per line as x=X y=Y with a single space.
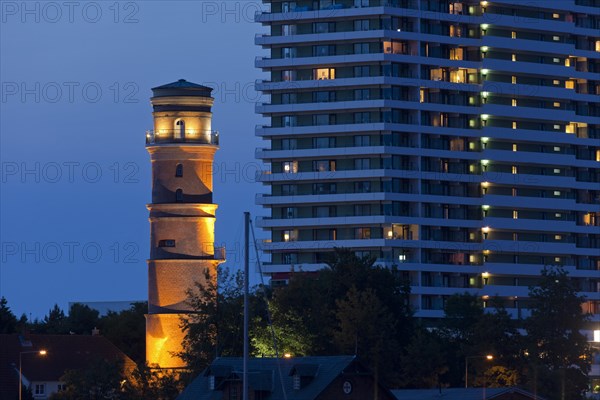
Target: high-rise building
x=182 y=214
x=457 y=140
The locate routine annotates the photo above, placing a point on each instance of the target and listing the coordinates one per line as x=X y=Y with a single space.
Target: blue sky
x=74 y=108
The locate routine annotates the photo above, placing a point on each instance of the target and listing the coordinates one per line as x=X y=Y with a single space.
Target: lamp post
x=41 y=353
x=487 y=357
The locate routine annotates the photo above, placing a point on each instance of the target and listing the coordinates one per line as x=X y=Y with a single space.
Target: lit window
x=290 y=167
x=567 y=62
x=472 y=258
x=555 y=16
x=556 y=82
x=556 y=104
x=557 y=215
x=556 y=38
x=514 y=147
x=514 y=192
x=514 y=102
x=556 y=148
x=456 y=54
x=514 y=79
x=557 y=259
x=290 y=235
x=394 y=47
x=459 y=76
x=597 y=45
x=513 y=57
x=514 y=169
x=556 y=171
x=515 y=214
x=323 y=165
x=556 y=60
x=422 y=96
x=324 y=73
x=557 y=127
x=598 y=155
x=514 y=125
x=570 y=84
x=571 y=128
x=557 y=237
x=557 y=192
x=513 y=34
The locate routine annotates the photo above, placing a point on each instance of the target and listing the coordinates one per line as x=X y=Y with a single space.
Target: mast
x=246 y=310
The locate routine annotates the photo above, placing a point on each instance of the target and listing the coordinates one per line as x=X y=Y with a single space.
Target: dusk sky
x=75 y=105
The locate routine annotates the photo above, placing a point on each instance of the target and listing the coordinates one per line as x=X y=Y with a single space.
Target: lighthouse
x=182 y=147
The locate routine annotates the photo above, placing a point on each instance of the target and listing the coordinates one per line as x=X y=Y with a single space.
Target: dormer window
x=179 y=171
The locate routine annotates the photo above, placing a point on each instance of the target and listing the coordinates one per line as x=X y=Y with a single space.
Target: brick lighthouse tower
x=182 y=214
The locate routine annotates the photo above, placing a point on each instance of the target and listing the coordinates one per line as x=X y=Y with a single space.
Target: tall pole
x=246 y=311
x=20 y=376
x=466 y=372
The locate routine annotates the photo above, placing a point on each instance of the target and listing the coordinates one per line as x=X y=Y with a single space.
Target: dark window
x=166 y=243
x=179 y=196
x=179 y=171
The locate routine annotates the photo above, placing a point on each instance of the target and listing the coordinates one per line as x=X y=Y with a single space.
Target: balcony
x=175 y=136
x=220 y=253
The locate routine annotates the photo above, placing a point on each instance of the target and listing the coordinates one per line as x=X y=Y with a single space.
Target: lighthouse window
x=179 y=171
x=179 y=196
x=166 y=243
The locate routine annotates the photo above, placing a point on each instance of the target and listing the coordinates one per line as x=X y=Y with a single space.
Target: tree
x=104 y=379
x=560 y=354
x=100 y=380
x=462 y=312
x=55 y=323
x=82 y=319
x=200 y=342
x=291 y=336
x=424 y=361
x=148 y=383
x=8 y=320
x=367 y=328
x=127 y=330
x=352 y=304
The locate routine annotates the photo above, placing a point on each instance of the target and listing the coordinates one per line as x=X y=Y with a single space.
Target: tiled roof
x=265 y=372
x=456 y=393
x=64 y=352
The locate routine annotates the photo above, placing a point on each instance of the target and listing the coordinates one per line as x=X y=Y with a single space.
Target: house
x=42 y=373
x=465 y=394
x=303 y=378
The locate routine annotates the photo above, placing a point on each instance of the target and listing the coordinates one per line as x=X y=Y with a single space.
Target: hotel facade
x=458 y=141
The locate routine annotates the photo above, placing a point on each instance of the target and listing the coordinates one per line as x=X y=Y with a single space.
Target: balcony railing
x=189 y=136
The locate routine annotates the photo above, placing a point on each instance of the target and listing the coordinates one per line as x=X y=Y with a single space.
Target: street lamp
x=488 y=357
x=41 y=353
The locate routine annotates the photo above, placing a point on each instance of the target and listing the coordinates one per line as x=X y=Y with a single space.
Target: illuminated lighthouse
x=182 y=214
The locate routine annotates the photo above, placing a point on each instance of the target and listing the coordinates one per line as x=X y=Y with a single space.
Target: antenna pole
x=246 y=310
